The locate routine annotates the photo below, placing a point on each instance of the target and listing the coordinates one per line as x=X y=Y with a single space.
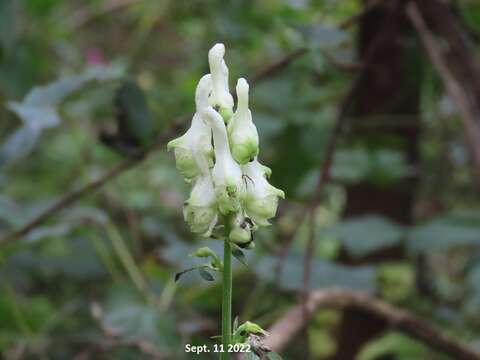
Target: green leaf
x=205 y=274
x=350 y=165
x=439 y=235
x=240 y=256
x=402 y=346
x=251 y=356
x=178 y=275
x=133 y=115
x=323 y=274
x=274 y=356
x=39 y=111
x=129 y=317
x=364 y=235
x=42 y=232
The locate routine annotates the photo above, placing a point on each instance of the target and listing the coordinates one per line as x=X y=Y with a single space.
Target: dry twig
x=285 y=329
x=454 y=88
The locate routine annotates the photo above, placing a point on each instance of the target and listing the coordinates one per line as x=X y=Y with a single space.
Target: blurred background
x=368 y=115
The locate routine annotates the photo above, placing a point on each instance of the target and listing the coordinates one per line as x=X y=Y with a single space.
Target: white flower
x=220 y=95
x=261 y=200
x=200 y=210
x=242 y=132
x=198 y=137
x=226 y=173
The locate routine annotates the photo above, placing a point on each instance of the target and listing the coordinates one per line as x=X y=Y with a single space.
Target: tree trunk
x=389 y=92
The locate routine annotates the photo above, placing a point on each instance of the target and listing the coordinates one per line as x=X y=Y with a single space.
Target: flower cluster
x=227 y=180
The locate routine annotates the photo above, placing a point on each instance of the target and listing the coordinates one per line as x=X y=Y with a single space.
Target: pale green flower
x=226 y=173
x=198 y=137
x=241 y=231
x=261 y=200
x=242 y=132
x=220 y=96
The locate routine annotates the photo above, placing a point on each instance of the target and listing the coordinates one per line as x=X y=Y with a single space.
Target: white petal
x=220 y=93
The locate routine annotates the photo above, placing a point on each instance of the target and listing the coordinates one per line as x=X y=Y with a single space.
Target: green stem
x=227 y=293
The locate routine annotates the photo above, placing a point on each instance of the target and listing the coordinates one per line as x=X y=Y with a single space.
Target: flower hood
x=261 y=200
x=226 y=173
x=220 y=95
x=242 y=132
x=198 y=137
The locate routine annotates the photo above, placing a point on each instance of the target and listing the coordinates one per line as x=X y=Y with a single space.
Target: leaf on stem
x=205 y=274
x=179 y=274
x=240 y=256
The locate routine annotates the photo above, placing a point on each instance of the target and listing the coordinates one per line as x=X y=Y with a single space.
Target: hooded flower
x=220 y=95
x=242 y=132
x=261 y=200
x=197 y=138
x=200 y=210
x=241 y=232
x=226 y=173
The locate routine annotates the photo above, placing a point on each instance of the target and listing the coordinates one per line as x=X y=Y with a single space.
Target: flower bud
x=197 y=138
x=242 y=132
x=220 y=96
x=226 y=173
x=203 y=252
x=248 y=328
x=261 y=200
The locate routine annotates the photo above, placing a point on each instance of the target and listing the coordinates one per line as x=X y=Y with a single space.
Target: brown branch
x=128 y=164
x=277 y=66
x=285 y=329
x=66 y=200
x=340 y=64
x=470 y=118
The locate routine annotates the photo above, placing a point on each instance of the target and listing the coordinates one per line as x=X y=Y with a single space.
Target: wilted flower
x=198 y=137
x=220 y=96
x=261 y=200
x=241 y=130
x=226 y=173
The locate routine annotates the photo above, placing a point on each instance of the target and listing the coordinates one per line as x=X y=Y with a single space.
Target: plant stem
x=227 y=293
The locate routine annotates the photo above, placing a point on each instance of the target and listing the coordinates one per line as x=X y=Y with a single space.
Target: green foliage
x=364 y=235
x=130 y=318
x=324 y=274
x=108 y=261
x=39 y=111
x=403 y=347
x=438 y=235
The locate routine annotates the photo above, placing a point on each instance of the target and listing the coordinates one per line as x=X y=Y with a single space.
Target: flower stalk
x=227 y=293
